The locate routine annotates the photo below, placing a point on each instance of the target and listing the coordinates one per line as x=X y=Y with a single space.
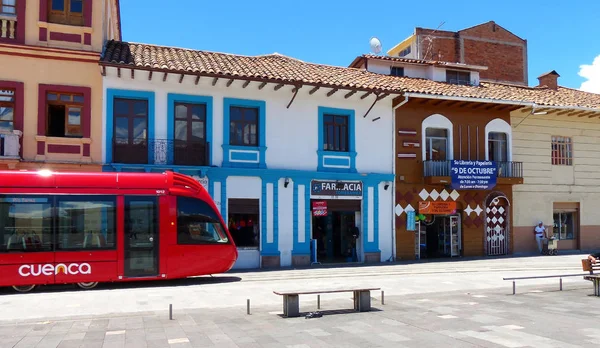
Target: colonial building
x=454 y=166
x=480 y=163
x=50 y=88
x=290 y=151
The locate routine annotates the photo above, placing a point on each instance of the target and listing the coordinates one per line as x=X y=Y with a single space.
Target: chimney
x=549 y=79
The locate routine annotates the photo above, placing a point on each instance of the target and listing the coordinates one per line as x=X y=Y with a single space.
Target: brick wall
x=488 y=44
x=504 y=62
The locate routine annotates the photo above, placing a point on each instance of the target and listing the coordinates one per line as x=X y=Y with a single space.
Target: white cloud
x=592 y=74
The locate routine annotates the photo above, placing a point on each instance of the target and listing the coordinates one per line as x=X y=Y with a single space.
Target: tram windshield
x=198 y=223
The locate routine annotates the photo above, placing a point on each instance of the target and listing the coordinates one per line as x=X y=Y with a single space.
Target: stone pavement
x=232 y=289
x=535 y=317
x=461 y=303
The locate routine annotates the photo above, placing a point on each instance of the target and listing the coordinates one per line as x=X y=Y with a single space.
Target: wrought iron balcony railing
x=161 y=151
x=442 y=168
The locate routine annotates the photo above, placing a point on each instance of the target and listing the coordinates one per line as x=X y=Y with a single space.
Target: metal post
x=318 y=301
x=560 y=284
x=382 y=298
x=514 y=287
x=170 y=311
x=248 y=306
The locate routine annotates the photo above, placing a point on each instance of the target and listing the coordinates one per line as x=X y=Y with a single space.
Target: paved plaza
x=443 y=304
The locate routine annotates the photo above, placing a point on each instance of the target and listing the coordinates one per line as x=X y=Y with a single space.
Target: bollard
x=248 y=306
x=514 y=287
x=170 y=311
x=318 y=301
x=382 y=298
x=560 y=284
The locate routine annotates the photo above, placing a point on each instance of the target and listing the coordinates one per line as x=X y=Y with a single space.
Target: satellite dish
x=375 y=45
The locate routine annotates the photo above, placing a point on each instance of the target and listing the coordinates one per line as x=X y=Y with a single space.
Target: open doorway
x=440 y=237
x=336 y=232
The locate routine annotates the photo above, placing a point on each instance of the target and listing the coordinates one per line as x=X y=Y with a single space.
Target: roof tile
x=276 y=67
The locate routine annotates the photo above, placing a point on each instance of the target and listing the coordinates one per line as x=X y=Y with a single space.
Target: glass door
x=454 y=236
x=141 y=236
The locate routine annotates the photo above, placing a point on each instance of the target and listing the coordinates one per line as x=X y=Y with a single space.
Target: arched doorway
x=497 y=225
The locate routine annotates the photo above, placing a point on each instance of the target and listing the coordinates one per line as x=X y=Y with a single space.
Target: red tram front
x=86 y=228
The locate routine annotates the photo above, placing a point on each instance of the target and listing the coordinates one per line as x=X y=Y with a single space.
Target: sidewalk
x=443 y=319
x=233 y=289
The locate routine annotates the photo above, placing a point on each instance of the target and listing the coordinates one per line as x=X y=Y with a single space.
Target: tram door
x=141 y=236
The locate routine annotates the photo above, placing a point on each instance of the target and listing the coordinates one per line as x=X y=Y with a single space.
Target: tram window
x=197 y=223
x=25 y=223
x=86 y=223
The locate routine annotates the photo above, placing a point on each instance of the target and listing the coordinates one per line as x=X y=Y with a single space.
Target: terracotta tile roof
x=356 y=62
x=279 y=68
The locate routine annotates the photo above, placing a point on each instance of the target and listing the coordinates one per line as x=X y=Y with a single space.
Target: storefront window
x=565 y=226
x=243 y=222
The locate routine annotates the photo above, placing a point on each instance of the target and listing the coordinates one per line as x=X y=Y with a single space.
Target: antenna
x=375 y=45
x=430 y=39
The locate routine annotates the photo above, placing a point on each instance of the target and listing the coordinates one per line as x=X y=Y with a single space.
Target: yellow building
x=50 y=84
x=558 y=144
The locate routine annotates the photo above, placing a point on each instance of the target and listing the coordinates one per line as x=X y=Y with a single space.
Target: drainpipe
x=393 y=186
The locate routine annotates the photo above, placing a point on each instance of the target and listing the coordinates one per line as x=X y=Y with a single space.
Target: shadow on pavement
x=193 y=281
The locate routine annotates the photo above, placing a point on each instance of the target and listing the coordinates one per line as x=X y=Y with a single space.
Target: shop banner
x=319 y=208
x=410 y=220
x=336 y=188
x=437 y=208
x=473 y=175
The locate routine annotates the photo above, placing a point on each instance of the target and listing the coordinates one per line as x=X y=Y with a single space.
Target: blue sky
x=561 y=36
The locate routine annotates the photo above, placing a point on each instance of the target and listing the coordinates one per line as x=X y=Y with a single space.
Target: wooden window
x=243 y=126
x=69 y=12
x=190 y=134
x=497 y=147
x=8 y=7
x=562 y=151
x=335 y=128
x=64 y=112
x=436 y=144
x=130 y=131
x=458 y=77
x=7 y=110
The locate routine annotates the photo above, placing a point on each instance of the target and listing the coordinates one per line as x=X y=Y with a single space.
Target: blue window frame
x=111 y=94
x=172 y=100
x=337 y=140
x=244 y=133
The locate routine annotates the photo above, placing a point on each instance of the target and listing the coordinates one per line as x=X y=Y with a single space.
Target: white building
x=270 y=137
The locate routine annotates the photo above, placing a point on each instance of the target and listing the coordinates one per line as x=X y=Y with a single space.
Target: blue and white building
x=274 y=140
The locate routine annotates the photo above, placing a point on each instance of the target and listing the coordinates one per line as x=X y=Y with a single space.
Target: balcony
x=161 y=152
x=437 y=172
x=8 y=27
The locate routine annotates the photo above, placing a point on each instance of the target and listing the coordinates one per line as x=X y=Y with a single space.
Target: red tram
x=86 y=228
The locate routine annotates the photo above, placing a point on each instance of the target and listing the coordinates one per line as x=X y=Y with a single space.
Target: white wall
x=386 y=217
x=286 y=222
x=383 y=67
x=292 y=134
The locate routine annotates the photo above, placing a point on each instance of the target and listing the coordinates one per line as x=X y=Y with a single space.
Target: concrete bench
x=291 y=302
